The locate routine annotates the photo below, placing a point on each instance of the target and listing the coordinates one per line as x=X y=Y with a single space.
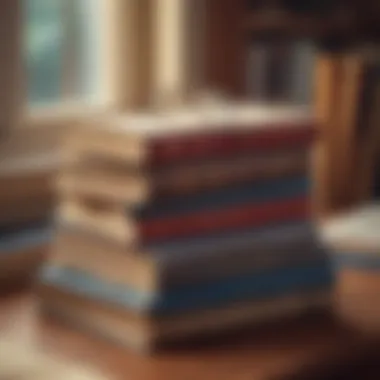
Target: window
x=62 y=50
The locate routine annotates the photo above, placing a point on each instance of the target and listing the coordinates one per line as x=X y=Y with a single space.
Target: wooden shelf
x=290 y=24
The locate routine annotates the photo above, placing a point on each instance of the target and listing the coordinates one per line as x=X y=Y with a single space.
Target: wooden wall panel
x=225 y=47
x=10 y=63
x=327 y=91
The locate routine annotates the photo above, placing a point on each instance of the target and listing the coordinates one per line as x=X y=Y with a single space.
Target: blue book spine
x=23 y=239
x=257 y=191
x=192 y=297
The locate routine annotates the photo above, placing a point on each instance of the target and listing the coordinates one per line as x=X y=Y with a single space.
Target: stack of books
x=26 y=205
x=173 y=226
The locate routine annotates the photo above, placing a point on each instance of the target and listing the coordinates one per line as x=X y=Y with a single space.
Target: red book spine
x=220 y=220
x=168 y=150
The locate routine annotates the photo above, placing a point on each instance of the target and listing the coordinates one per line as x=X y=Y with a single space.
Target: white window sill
x=41 y=130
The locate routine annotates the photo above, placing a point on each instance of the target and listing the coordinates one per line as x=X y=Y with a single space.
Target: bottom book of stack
x=182 y=290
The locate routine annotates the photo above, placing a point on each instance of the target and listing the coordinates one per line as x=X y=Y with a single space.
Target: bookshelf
x=297 y=25
x=336 y=28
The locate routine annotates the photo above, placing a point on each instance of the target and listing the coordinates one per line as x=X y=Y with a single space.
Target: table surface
x=260 y=354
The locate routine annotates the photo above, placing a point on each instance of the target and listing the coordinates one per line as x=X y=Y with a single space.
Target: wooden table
x=256 y=355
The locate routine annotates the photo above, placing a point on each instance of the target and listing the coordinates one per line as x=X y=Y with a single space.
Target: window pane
x=44 y=45
x=61 y=49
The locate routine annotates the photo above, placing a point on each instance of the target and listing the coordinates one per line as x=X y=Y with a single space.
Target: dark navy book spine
x=22 y=239
x=266 y=284
x=256 y=191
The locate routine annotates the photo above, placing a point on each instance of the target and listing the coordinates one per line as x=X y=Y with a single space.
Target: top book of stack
x=157 y=139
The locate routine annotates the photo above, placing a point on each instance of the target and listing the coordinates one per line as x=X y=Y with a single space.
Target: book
x=23 y=250
x=279 y=66
x=113 y=223
x=226 y=197
x=26 y=210
x=189 y=134
x=271 y=283
x=215 y=199
x=303 y=61
x=26 y=191
x=15 y=187
x=367 y=134
x=257 y=69
x=194 y=261
x=26 y=178
x=117 y=182
x=355 y=230
x=328 y=89
x=20 y=234
x=345 y=177
x=144 y=334
x=354 y=239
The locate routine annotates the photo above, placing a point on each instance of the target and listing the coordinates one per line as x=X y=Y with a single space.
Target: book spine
x=282 y=234
x=253 y=215
x=166 y=150
x=24 y=213
x=303 y=66
x=278 y=69
x=228 y=197
x=206 y=269
x=278 y=282
x=24 y=240
x=206 y=176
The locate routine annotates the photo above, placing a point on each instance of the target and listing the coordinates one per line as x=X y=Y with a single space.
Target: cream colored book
x=105 y=179
x=356 y=230
x=192 y=133
x=144 y=333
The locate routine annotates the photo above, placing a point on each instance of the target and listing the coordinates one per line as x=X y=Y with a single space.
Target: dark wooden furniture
x=231 y=23
x=264 y=354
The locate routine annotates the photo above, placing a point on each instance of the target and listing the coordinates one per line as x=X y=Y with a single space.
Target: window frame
x=38 y=130
x=71 y=104
x=125 y=57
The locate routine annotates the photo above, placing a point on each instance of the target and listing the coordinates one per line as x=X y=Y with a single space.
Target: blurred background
x=64 y=64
